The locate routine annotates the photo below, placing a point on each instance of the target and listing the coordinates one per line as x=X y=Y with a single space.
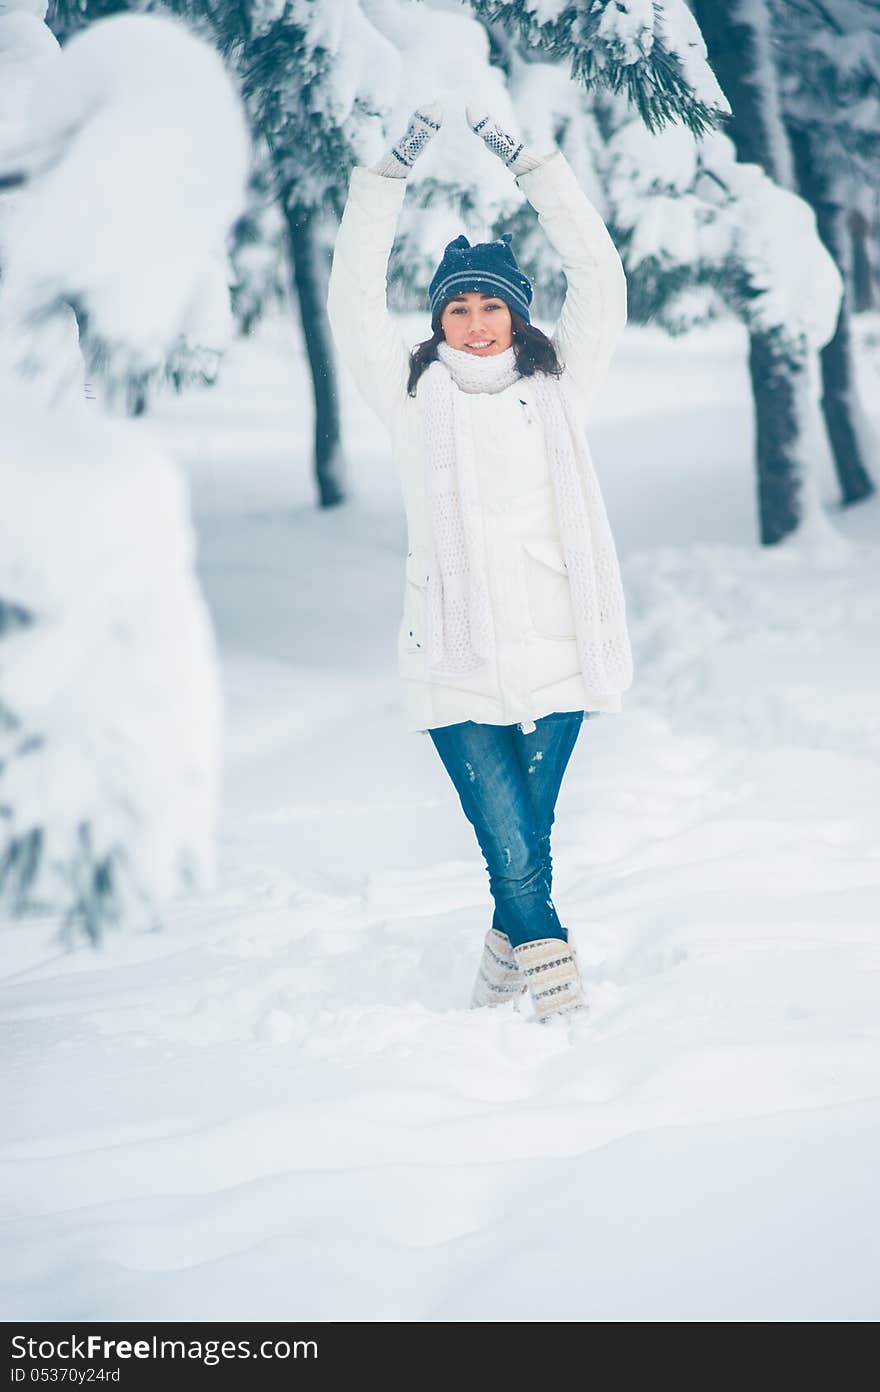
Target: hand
x=423 y=126
x=509 y=150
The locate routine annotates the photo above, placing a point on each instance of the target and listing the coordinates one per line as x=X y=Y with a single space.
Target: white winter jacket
x=536 y=669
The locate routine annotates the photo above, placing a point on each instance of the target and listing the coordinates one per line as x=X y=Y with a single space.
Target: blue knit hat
x=489 y=267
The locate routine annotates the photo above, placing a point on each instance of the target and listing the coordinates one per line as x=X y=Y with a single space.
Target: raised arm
x=367 y=338
x=594 y=311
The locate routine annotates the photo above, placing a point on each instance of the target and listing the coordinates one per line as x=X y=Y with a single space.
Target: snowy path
x=279 y=1108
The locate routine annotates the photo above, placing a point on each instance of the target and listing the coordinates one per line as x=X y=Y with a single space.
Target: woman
x=514 y=625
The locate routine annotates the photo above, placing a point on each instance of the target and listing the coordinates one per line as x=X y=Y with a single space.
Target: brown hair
x=532 y=349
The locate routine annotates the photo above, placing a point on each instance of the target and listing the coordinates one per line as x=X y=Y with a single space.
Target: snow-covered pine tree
x=316 y=79
x=288 y=57
x=109 y=693
x=693 y=221
x=195 y=354
x=828 y=54
x=742 y=48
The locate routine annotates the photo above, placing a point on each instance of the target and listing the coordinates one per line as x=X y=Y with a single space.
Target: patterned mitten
x=551 y=973
x=509 y=150
x=498 y=978
x=423 y=126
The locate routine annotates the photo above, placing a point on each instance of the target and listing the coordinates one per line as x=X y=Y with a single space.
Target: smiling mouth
x=487 y=344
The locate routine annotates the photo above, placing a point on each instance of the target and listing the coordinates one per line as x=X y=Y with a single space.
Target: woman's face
x=477 y=323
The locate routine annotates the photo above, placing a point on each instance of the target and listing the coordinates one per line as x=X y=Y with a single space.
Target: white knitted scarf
x=461 y=634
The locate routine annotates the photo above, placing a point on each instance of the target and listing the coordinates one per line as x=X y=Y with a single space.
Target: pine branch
x=654 y=81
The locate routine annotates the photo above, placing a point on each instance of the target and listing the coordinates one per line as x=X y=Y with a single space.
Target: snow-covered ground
x=279 y=1107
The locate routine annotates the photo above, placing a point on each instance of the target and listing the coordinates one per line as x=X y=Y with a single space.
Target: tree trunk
x=739 y=40
x=740 y=51
x=848 y=431
x=310 y=284
x=780 y=386
x=862 y=270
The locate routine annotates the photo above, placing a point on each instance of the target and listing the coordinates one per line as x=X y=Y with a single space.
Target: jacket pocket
x=548 y=589
x=415 y=603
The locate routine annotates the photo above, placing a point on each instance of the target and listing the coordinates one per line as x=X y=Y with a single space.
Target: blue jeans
x=508 y=784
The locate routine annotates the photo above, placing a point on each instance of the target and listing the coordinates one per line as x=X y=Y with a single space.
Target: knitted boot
x=498 y=979
x=551 y=973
